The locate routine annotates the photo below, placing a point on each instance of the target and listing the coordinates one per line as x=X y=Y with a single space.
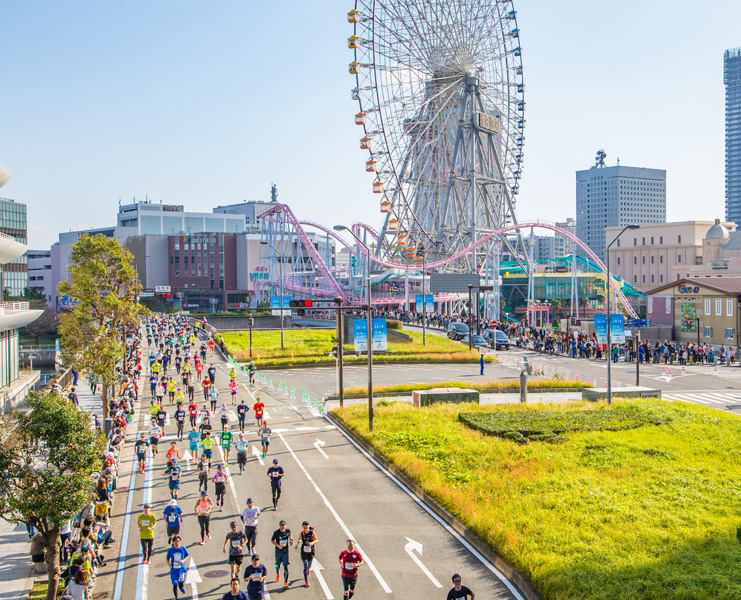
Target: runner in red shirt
x=206 y=385
x=211 y=347
x=193 y=412
x=350 y=560
x=258 y=408
x=199 y=368
x=172 y=452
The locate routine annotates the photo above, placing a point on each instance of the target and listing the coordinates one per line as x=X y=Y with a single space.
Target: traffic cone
x=682 y=369
x=293 y=393
x=670 y=375
x=715 y=370
x=589 y=381
x=605 y=383
x=663 y=371
x=280 y=386
x=270 y=382
x=285 y=390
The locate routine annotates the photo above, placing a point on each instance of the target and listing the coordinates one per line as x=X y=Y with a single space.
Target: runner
x=171 y=385
x=211 y=345
x=154 y=437
x=255 y=575
x=350 y=560
x=193 y=438
x=180 y=419
x=258 y=407
x=177 y=560
x=206 y=385
x=141 y=447
x=203 y=472
x=250 y=517
x=265 y=433
x=212 y=373
x=226 y=442
x=193 y=412
x=253 y=372
x=161 y=419
x=224 y=414
x=173 y=517
x=459 y=592
x=306 y=540
x=235 y=593
x=203 y=512
x=191 y=383
x=235 y=539
x=241 y=445
x=242 y=410
x=179 y=396
x=220 y=480
x=152 y=384
x=154 y=408
x=172 y=452
x=275 y=474
x=207 y=445
x=282 y=539
x=204 y=414
x=146 y=523
x=213 y=396
x=174 y=483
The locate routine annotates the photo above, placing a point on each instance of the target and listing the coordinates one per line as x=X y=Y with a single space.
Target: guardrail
x=7 y=308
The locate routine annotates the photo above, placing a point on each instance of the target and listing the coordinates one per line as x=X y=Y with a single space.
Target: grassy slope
x=605 y=523
x=498 y=384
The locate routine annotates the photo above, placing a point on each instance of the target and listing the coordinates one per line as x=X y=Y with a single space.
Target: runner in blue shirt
x=242 y=446
x=177 y=560
x=173 y=517
x=255 y=575
x=193 y=439
x=242 y=409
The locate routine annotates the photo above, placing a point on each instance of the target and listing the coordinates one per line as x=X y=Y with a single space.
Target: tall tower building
x=14 y=275
x=732 y=81
x=617 y=196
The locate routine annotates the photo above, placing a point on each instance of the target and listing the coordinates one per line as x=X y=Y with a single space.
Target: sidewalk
x=15 y=568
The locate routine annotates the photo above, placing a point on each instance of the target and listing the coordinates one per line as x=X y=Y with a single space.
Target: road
x=328 y=482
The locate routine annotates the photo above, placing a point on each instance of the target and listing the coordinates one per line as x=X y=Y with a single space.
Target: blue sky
x=206 y=103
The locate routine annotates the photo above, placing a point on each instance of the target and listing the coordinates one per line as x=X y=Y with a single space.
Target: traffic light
x=301 y=305
x=168 y=296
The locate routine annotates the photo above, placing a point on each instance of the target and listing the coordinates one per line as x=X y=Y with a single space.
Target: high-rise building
x=563 y=246
x=732 y=81
x=39 y=273
x=14 y=275
x=615 y=197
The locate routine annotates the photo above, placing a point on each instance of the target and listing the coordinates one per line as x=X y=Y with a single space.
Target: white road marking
x=258 y=454
x=193 y=578
x=341 y=523
x=229 y=477
x=410 y=548
x=323 y=584
x=127 y=525
x=188 y=458
x=319 y=444
x=142 y=575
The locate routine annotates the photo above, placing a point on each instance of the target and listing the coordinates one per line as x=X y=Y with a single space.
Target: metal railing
x=7 y=308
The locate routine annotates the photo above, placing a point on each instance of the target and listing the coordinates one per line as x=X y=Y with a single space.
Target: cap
x=219 y=466
x=282 y=522
x=255 y=557
x=174 y=459
x=249 y=500
x=223 y=406
x=173 y=502
x=275 y=461
x=147 y=505
x=204 y=492
x=233 y=524
x=304 y=523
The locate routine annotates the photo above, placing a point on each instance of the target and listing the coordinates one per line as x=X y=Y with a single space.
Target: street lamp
x=423 y=253
x=280 y=255
x=609 y=338
x=370 y=325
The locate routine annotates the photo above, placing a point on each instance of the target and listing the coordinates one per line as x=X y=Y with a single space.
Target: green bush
x=391 y=324
x=543 y=426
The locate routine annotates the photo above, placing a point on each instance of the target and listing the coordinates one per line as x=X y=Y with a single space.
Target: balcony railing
x=7 y=308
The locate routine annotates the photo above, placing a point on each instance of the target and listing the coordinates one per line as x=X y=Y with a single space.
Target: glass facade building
x=14 y=275
x=732 y=81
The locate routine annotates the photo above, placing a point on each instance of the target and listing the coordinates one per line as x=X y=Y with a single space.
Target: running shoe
x=277 y=576
x=306 y=584
x=202 y=542
x=208 y=535
x=285 y=585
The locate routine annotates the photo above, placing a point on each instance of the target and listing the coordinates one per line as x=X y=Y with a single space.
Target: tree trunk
x=53 y=543
x=104 y=398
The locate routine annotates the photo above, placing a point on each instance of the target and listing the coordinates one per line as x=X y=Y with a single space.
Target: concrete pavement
x=16 y=577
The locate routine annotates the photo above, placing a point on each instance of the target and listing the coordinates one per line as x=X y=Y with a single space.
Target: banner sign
x=600 y=328
x=617 y=329
x=275 y=304
x=379 y=333
x=429 y=302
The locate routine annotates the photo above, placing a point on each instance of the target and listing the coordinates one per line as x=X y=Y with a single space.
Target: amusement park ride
x=440 y=93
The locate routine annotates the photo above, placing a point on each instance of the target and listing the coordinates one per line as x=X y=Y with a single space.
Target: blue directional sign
x=429 y=302
x=637 y=323
x=617 y=329
x=600 y=328
x=275 y=304
x=360 y=333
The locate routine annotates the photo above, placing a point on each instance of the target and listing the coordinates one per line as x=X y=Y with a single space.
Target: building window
x=668 y=305
x=729 y=307
x=618 y=243
x=661 y=239
x=618 y=260
x=652 y=278
x=679 y=259
x=718 y=307
x=652 y=260
x=679 y=239
x=650 y=306
x=652 y=240
x=644 y=279
x=635 y=278
x=643 y=258
x=708 y=331
x=707 y=307
x=635 y=241
x=661 y=259
x=677 y=276
x=661 y=279
x=635 y=260
x=643 y=242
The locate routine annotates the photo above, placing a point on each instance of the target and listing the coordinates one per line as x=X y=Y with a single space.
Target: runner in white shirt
x=203 y=414
x=249 y=517
x=155 y=432
x=224 y=414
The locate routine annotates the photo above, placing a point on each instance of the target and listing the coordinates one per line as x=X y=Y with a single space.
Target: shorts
x=235 y=559
x=281 y=558
x=174 y=485
x=241 y=458
x=193 y=447
x=224 y=420
x=265 y=443
x=258 y=418
x=161 y=422
x=142 y=458
x=153 y=441
x=208 y=453
x=177 y=576
x=173 y=530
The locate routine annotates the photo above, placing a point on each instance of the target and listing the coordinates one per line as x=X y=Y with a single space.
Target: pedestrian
x=72 y=396
x=306 y=541
x=235 y=593
x=275 y=474
x=459 y=592
x=282 y=540
x=141 y=448
x=265 y=433
x=173 y=516
x=235 y=539
x=482 y=363
x=177 y=560
x=255 y=575
x=146 y=523
x=249 y=517
x=220 y=480
x=350 y=560
x=203 y=512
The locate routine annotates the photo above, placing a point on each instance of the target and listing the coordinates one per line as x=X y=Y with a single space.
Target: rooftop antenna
x=618 y=161
x=599 y=160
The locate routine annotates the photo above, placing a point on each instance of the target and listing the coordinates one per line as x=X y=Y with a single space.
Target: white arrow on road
x=187 y=457
x=256 y=452
x=318 y=445
x=323 y=584
x=193 y=578
x=410 y=548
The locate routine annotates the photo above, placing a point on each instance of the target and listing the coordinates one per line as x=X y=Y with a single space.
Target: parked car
x=497 y=337
x=457 y=331
x=476 y=341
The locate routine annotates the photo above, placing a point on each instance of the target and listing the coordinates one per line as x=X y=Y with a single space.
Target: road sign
x=275 y=304
x=146 y=295
x=162 y=289
x=429 y=302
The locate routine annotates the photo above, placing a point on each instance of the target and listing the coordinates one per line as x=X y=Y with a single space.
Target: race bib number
x=349 y=566
x=173 y=519
x=282 y=543
x=256 y=576
x=177 y=558
x=236 y=543
x=307 y=549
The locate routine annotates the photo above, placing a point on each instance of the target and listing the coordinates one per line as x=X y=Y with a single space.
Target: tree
x=104 y=286
x=34 y=293
x=46 y=458
x=45 y=325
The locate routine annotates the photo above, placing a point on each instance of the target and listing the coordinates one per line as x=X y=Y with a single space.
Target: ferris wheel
x=441 y=107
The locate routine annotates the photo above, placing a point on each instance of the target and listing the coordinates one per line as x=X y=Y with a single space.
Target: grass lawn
x=498 y=384
x=642 y=513
x=308 y=346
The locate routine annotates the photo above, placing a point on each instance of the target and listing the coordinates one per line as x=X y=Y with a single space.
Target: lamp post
x=609 y=339
x=369 y=324
x=423 y=253
x=280 y=255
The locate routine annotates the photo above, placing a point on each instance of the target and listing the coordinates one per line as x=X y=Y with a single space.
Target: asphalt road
x=328 y=482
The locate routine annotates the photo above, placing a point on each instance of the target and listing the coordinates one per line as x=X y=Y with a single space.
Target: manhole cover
x=215 y=574
x=100 y=596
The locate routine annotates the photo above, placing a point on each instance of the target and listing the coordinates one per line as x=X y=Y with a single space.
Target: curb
x=497 y=391
x=513 y=575
x=474 y=363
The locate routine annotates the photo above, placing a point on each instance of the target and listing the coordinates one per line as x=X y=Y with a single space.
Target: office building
x=39 y=274
x=732 y=81
x=149 y=218
x=563 y=246
x=617 y=196
x=251 y=210
x=14 y=275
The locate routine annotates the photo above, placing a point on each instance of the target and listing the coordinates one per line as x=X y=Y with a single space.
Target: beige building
x=659 y=254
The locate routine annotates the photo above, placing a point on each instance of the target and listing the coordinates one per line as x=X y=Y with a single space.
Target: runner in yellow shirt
x=171 y=386
x=207 y=444
x=146 y=522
